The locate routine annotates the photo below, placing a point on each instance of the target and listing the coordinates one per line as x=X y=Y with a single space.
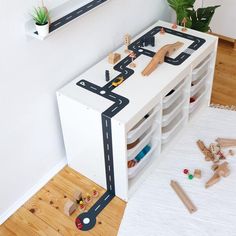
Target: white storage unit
x=157 y=111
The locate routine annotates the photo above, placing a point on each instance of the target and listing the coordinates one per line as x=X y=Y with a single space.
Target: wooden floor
x=43 y=213
x=224 y=86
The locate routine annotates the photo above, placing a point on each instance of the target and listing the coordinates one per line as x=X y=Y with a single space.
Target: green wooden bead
x=190 y=176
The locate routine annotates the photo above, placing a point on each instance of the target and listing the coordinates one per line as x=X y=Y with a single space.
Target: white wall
x=31 y=145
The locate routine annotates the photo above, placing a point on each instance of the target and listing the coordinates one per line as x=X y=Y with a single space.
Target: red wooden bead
x=185 y=171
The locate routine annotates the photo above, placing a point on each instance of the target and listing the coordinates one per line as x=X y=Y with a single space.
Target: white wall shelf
x=64 y=14
x=80 y=109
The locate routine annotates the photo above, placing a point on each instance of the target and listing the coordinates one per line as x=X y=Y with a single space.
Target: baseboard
x=12 y=209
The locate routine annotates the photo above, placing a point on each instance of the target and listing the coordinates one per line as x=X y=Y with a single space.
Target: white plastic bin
x=142 y=126
x=144 y=140
x=199 y=97
x=168 y=101
x=169 y=131
x=133 y=171
x=170 y=113
x=197 y=84
x=201 y=68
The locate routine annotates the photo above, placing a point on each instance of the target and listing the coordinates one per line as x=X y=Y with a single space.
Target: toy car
x=117 y=81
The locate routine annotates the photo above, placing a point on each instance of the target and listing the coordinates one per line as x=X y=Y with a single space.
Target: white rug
x=155 y=209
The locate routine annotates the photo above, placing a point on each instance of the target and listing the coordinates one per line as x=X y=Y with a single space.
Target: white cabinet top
x=141 y=91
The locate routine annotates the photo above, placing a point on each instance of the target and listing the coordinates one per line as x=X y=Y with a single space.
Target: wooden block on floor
x=77 y=196
x=197 y=173
x=69 y=207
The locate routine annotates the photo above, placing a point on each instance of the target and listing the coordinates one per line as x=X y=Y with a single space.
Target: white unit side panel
x=119 y=145
x=82 y=132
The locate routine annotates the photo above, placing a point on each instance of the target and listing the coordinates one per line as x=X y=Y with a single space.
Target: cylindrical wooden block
x=183 y=196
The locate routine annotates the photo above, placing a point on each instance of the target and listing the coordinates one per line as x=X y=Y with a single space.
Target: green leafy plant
x=201 y=18
x=40 y=16
x=196 y=19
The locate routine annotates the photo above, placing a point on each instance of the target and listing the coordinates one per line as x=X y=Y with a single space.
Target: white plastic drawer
x=199 y=97
x=144 y=140
x=132 y=172
x=198 y=83
x=169 y=131
x=141 y=127
x=170 y=113
x=168 y=100
x=201 y=68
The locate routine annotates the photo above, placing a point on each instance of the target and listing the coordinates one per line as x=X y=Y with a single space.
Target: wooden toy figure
x=95 y=192
x=88 y=198
x=82 y=206
x=174 y=26
x=132 y=55
x=184 y=21
x=162 y=31
x=127 y=42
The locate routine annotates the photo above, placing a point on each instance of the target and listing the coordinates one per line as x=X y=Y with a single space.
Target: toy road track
x=76 y=13
x=87 y=220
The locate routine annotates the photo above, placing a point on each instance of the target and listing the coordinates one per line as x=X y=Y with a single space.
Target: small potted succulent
x=41 y=18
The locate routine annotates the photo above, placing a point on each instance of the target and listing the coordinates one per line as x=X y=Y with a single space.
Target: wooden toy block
x=127 y=40
x=77 y=196
x=225 y=142
x=159 y=57
x=222 y=170
x=69 y=207
x=231 y=152
x=183 y=196
x=207 y=153
x=197 y=173
x=113 y=58
x=216 y=151
x=214 y=167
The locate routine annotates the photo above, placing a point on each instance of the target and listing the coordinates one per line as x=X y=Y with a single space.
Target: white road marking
x=57 y=24
x=120 y=101
x=112 y=96
x=109 y=167
x=68 y=17
x=107 y=135
x=126 y=72
x=110 y=86
x=108 y=157
x=110 y=187
x=108 y=147
x=106 y=197
x=89 y=6
x=110 y=178
x=126 y=60
x=79 y=11
x=97 y=207
x=114 y=109
x=106 y=123
x=93 y=88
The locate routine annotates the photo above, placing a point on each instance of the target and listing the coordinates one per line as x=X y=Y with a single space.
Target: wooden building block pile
x=215 y=154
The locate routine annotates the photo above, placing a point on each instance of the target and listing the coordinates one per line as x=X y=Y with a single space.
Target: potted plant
x=196 y=19
x=41 y=18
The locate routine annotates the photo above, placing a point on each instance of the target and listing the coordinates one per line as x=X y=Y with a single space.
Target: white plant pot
x=43 y=30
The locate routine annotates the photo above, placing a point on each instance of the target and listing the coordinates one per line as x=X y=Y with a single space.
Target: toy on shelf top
x=127 y=41
x=159 y=57
x=184 y=21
